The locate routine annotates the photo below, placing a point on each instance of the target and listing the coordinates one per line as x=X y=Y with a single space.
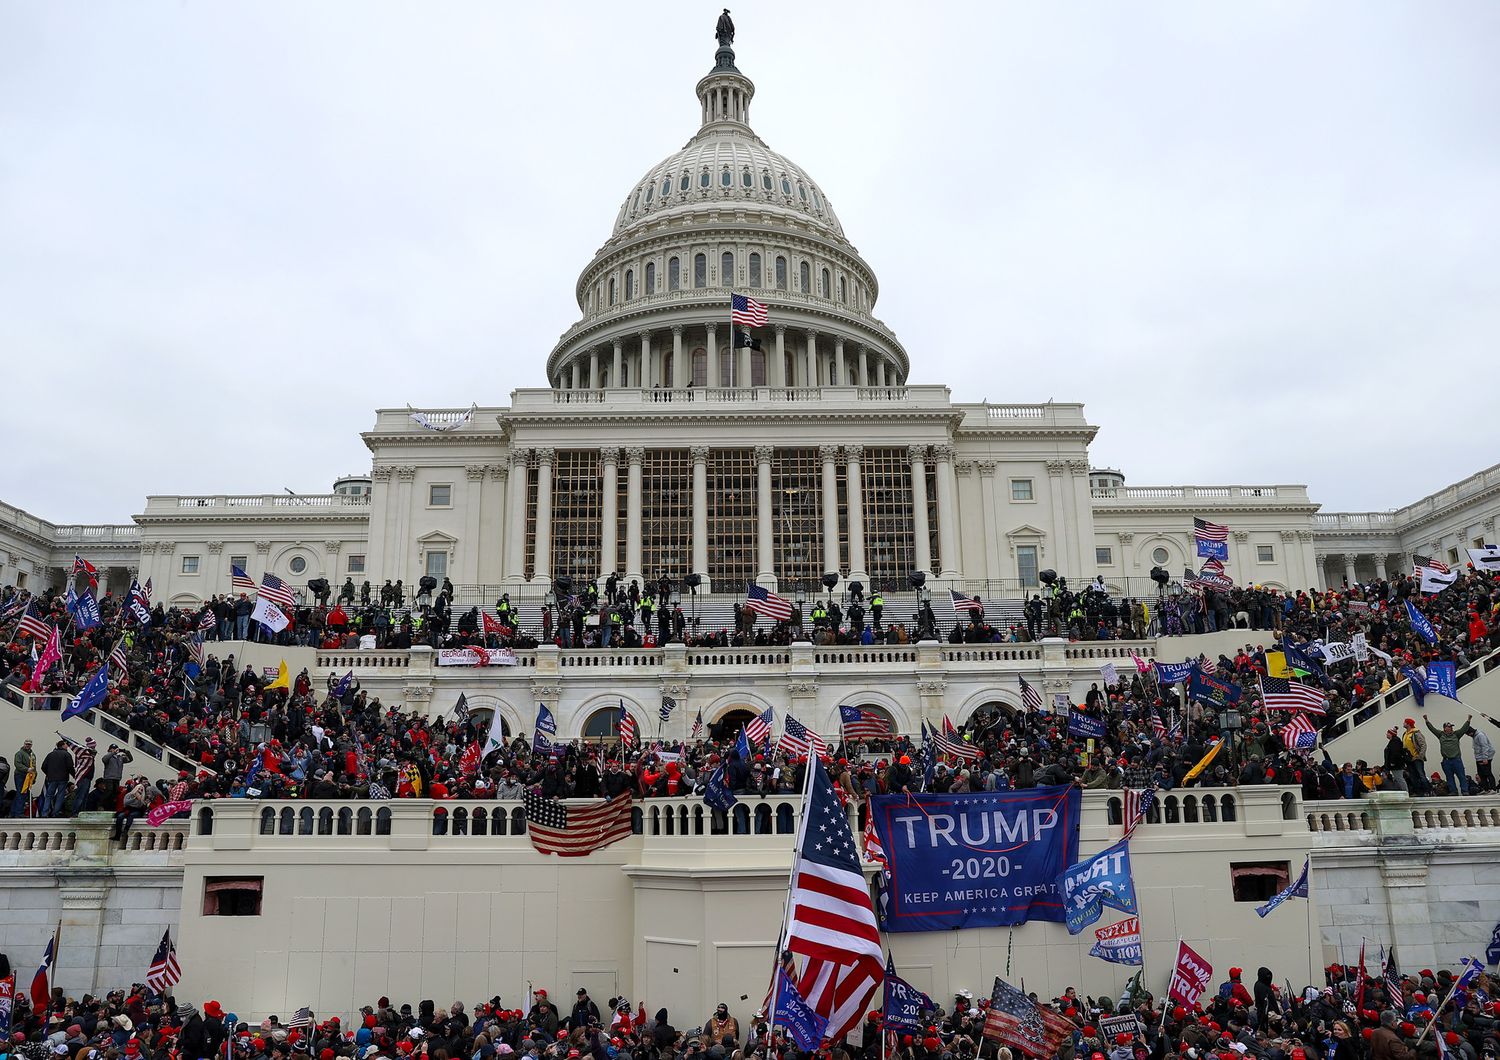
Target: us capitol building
x=666 y=443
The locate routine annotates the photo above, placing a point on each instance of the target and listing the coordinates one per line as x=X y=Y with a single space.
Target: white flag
x=1338 y=651
x=1435 y=581
x=1486 y=558
x=269 y=615
x=497 y=734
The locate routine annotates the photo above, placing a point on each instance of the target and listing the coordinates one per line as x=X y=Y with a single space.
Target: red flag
x=41 y=992
x=1359 y=977
x=1190 y=976
x=468 y=762
x=493 y=625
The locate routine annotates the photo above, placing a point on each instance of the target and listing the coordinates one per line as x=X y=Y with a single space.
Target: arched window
x=780 y=273
x=786 y=185
x=687 y=181
x=746 y=179
x=726 y=179
x=765 y=180
x=650 y=277
x=603 y=725
x=804 y=275
x=700 y=270
x=666 y=187
x=726 y=269
x=674 y=274
x=630 y=284
x=826 y=292
x=843 y=289
x=650 y=191
x=700 y=367
x=611 y=290
x=754 y=270
x=703 y=179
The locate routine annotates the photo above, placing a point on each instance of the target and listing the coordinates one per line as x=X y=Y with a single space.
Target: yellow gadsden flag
x=283 y=679
x=1276 y=665
x=1203 y=762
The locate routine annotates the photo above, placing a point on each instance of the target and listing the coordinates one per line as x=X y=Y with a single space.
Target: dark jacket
x=57 y=767
x=1265 y=995
x=664 y=1034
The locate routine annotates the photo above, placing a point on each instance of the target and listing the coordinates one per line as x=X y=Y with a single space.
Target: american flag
x=961 y=604
x=863 y=725
x=277 y=591
x=31 y=623
x=1137 y=802
x=195 y=648
x=1015 y=1020
x=1418 y=562
x=207 y=620
x=117 y=656
x=1393 y=980
x=698 y=726
x=873 y=850
x=303 y=1018
x=1278 y=693
x=164 y=971
x=630 y=733
x=668 y=704
x=575 y=831
x=830 y=919
x=1213 y=566
x=1206 y=531
x=1299 y=734
x=1207 y=665
x=1031 y=696
x=746 y=311
x=797 y=740
x=1157 y=728
x=949 y=742
x=239 y=581
x=762 y=602
x=758 y=728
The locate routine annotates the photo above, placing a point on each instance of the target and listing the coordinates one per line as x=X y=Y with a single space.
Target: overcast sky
x=1260 y=241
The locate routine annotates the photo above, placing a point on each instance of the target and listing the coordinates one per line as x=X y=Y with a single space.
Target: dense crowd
x=336 y=741
x=1350 y=1015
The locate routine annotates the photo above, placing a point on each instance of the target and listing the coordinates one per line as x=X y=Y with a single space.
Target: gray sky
x=1247 y=236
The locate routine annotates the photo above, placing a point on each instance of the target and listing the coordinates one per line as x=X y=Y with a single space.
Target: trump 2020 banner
x=986 y=859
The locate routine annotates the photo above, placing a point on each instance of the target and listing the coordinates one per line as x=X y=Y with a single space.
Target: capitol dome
x=726 y=215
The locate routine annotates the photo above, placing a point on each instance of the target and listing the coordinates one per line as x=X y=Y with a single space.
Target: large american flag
x=747 y=311
x=630 y=732
x=164 y=970
x=830 y=919
x=277 y=591
x=1418 y=562
x=758 y=728
x=195 y=648
x=1031 y=695
x=797 y=739
x=1137 y=802
x=239 y=581
x=949 y=742
x=1206 y=531
x=1015 y=1020
x=762 y=602
x=207 y=620
x=1299 y=734
x=1392 y=976
x=117 y=656
x=574 y=831
x=32 y=623
x=863 y=725
x=1278 y=693
x=962 y=604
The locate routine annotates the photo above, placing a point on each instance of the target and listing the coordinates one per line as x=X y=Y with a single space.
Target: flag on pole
x=277 y=591
x=117 y=655
x=668 y=704
x=863 y=725
x=164 y=971
x=50 y=657
x=698 y=725
x=747 y=311
x=758 y=728
x=283 y=678
x=1191 y=975
x=1212 y=539
x=543 y=737
x=83 y=566
x=1203 y=763
x=1297 y=889
x=1486 y=558
x=763 y=602
x=1392 y=977
x=798 y=740
x=1420 y=624
x=239 y=581
x=41 y=990
x=1434 y=577
x=1017 y=1021
x=1299 y=734
x=32 y=624
x=630 y=733
x=302 y=1018
x=1138 y=802
x=1031 y=696
x=1279 y=693
x=962 y=604
x=949 y=742
x=90 y=695
x=904 y=1003
x=797 y=1016
x=716 y=793
x=270 y=616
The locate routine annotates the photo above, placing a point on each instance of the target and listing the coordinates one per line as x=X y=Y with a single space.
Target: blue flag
x=1442 y=678
x=796 y=1015
x=341 y=689
x=91 y=695
x=546 y=731
x=1080 y=724
x=1102 y=880
x=1473 y=968
x=1301 y=660
x=717 y=793
x=1298 y=889
x=1213 y=689
x=1493 y=953
x=1418 y=684
x=903 y=1002
x=850 y=715
x=85 y=611
x=1420 y=624
x=742 y=747
x=1171 y=673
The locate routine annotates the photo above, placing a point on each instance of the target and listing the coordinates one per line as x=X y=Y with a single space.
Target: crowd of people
x=335 y=741
x=1353 y=1014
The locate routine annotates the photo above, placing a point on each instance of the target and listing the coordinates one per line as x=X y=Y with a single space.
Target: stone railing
x=1372 y=709
x=86 y=838
x=110 y=728
x=282 y=503
x=1396 y=813
x=108 y=534
x=1211 y=496
x=1409 y=516
x=627 y=398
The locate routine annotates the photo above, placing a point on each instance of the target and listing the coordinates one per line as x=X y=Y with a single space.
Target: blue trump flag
x=981 y=859
x=796 y=1015
x=1492 y=954
x=1211 y=688
x=1171 y=673
x=1119 y=943
x=85 y=610
x=1418 y=684
x=1442 y=678
x=903 y=1002
x=91 y=695
x=546 y=731
x=1080 y=724
x=341 y=689
x=1420 y=624
x=1298 y=889
x=716 y=793
x=1102 y=880
x=1301 y=660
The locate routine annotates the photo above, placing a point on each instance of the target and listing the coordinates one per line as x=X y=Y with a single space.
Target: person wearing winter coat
x=1265 y=996
x=663 y=1035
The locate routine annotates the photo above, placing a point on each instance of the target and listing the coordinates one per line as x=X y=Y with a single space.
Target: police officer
x=877 y=605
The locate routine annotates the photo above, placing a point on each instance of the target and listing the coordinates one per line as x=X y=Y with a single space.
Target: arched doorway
x=875 y=728
x=603 y=726
x=729 y=726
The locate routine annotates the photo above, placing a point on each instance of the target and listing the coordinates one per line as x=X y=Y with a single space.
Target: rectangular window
x=1265 y=554
x=1020 y=489
x=437 y=564
x=1257 y=881
x=242 y=562
x=796 y=519
x=577 y=508
x=1104 y=557
x=732 y=486
x=1026 y=565
x=232 y=895
x=190 y=564
x=666 y=514
x=439 y=496
x=885 y=482
x=356 y=563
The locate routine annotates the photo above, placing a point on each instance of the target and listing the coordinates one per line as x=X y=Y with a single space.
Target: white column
x=947 y=498
x=830 y=454
x=880 y=379
x=492 y=557
x=742 y=357
x=573 y=374
x=617 y=365
x=678 y=378
x=777 y=374
x=838 y=377
x=609 y=552
x=864 y=376
x=700 y=513
x=515 y=523
x=713 y=355
x=992 y=542
x=1349 y=567
x=1061 y=526
x=764 y=540
x=593 y=369
x=633 y=455
x=853 y=454
x=471 y=545
x=542 y=559
x=812 y=359
x=1379 y=560
x=917 y=454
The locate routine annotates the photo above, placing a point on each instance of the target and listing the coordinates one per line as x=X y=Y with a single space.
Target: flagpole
x=1167 y=993
x=1436 y=1014
x=786 y=908
x=733 y=343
